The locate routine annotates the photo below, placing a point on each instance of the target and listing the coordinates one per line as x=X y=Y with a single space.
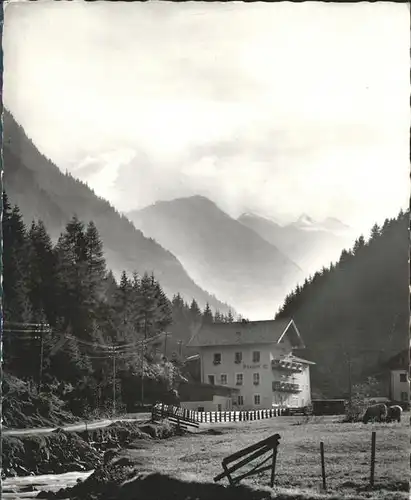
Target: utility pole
x=142 y=359
x=165 y=343
x=114 y=381
x=349 y=379
x=41 y=357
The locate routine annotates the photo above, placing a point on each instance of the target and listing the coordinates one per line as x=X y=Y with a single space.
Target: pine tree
x=376 y=230
x=124 y=308
x=207 y=315
x=42 y=274
x=73 y=285
x=195 y=311
x=110 y=288
x=218 y=317
x=96 y=264
x=164 y=309
x=358 y=245
x=16 y=305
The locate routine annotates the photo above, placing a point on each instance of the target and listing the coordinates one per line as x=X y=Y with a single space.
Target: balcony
x=286 y=387
x=286 y=365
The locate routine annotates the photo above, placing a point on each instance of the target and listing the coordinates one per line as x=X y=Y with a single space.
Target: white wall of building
x=255 y=395
x=400 y=386
x=219 y=403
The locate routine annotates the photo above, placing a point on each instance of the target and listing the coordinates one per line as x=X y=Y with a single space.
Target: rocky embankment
x=63 y=451
x=23 y=407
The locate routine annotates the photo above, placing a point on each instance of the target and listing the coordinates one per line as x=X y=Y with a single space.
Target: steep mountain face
x=355 y=314
x=41 y=191
x=222 y=255
x=310 y=244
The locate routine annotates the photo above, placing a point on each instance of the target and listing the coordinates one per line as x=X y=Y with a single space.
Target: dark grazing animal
x=376 y=413
x=394 y=413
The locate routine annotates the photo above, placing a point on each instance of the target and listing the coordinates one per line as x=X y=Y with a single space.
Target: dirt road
x=79 y=427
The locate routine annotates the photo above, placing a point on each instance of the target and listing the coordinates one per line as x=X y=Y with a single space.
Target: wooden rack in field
x=191 y=417
x=240 y=459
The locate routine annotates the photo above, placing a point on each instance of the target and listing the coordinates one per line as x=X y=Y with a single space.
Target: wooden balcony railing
x=286 y=387
x=286 y=365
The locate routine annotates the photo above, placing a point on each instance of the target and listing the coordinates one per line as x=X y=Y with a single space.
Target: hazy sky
x=275 y=108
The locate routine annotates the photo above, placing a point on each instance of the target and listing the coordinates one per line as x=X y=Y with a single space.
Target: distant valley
x=222 y=255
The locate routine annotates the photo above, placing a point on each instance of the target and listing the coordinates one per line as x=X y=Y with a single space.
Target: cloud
x=273 y=107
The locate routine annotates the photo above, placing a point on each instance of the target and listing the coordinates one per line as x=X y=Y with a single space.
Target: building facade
x=256 y=358
x=206 y=397
x=395 y=378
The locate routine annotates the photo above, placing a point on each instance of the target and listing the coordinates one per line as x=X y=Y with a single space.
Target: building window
x=219 y=407
x=238 y=357
x=404 y=396
x=211 y=379
x=217 y=358
x=403 y=377
x=223 y=379
x=257 y=399
x=276 y=385
x=256 y=378
x=239 y=379
x=200 y=408
x=240 y=400
x=256 y=356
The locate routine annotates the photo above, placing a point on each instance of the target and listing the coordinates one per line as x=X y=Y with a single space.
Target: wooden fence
x=161 y=411
x=174 y=414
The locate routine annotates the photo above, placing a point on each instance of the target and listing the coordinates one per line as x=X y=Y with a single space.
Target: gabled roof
x=247 y=332
x=400 y=361
x=303 y=361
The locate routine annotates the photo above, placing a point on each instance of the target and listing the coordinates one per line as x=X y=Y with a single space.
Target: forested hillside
x=92 y=318
x=356 y=313
x=42 y=192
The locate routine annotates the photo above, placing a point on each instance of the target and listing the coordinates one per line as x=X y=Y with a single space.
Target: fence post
x=274 y=459
x=323 y=465
x=373 y=439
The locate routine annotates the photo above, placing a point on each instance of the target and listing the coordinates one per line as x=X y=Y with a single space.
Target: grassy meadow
x=197 y=456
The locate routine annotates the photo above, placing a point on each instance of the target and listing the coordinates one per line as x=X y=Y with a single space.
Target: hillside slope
x=356 y=314
x=222 y=255
x=43 y=192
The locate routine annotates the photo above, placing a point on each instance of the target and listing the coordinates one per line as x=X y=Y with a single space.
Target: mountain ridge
x=41 y=190
x=219 y=252
x=309 y=244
